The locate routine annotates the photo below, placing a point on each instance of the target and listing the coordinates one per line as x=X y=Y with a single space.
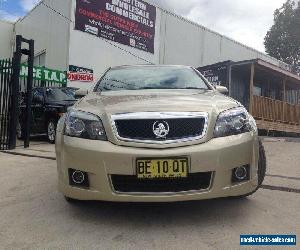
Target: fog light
x=78 y=178
x=240 y=173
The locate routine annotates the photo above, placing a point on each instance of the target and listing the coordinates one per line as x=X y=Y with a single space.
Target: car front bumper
x=101 y=159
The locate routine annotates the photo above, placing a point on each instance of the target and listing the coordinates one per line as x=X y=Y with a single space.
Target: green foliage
x=282 y=41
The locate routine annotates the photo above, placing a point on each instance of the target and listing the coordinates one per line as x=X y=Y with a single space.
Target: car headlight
x=234 y=121
x=84 y=125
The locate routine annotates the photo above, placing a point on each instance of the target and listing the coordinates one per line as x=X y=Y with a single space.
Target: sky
x=246 y=21
x=11 y=10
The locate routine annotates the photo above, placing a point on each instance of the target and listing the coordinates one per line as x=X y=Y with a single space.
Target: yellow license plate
x=162 y=168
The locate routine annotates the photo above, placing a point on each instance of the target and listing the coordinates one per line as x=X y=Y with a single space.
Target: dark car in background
x=48 y=105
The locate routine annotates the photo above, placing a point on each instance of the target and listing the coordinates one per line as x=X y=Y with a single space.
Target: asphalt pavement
x=34 y=215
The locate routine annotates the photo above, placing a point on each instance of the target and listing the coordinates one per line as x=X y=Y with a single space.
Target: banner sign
x=74 y=68
x=80 y=74
x=129 y=22
x=45 y=74
x=216 y=74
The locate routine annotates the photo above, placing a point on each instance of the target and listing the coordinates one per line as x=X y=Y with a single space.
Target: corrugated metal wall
x=49 y=30
x=184 y=42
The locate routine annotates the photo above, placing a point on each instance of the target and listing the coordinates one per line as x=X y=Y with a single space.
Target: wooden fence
x=274 y=110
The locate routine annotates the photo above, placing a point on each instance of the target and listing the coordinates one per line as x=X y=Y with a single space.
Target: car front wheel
x=51 y=131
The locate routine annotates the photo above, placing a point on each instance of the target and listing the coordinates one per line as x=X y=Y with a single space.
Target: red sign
x=80 y=77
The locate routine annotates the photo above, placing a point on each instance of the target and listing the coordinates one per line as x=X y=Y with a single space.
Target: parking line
x=282 y=176
x=29 y=155
x=284 y=189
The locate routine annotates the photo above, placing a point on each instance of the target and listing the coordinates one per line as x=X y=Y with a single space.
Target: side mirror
x=222 y=89
x=80 y=93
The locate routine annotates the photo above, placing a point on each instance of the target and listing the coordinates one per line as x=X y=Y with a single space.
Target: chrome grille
x=156 y=127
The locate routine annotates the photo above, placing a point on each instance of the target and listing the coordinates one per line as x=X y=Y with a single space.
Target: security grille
x=6 y=95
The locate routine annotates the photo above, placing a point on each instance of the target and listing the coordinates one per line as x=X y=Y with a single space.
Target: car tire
x=261 y=171
x=262 y=164
x=51 y=130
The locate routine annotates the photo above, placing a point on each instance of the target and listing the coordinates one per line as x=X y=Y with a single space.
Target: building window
x=40 y=60
x=257 y=91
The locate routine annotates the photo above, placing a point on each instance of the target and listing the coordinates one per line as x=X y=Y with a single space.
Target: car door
x=38 y=111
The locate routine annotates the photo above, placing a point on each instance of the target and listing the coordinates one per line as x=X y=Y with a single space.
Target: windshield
x=165 y=77
x=57 y=94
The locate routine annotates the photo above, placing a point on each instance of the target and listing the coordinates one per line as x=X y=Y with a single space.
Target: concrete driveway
x=34 y=215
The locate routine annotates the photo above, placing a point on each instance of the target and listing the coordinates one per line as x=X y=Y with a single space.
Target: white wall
x=49 y=30
x=6 y=34
x=181 y=42
x=188 y=43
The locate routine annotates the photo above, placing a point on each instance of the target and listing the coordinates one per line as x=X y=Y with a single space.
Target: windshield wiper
x=170 y=88
x=148 y=88
x=194 y=88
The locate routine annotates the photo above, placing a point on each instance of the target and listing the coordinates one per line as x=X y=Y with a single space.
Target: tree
x=282 y=41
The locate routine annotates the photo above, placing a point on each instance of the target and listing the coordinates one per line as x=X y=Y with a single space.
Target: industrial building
x=93 y=35
x=85 y=37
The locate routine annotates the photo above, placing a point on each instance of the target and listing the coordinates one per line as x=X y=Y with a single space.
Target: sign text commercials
x=129 y=22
